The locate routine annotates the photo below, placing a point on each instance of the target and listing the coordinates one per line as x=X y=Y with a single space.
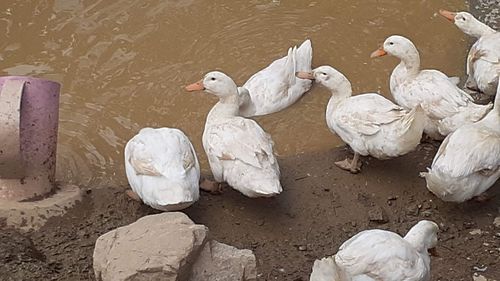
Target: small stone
x=302 y=248
x=219 y=261
x=377 y=214
x=480 y=269
x=478 y=277
x=476 y=232
x=496 y=222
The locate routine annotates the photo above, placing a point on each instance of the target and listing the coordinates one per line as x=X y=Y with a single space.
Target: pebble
x=476 y=232
x=496 y=222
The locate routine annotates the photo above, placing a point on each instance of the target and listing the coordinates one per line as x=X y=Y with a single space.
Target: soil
x=320 y=208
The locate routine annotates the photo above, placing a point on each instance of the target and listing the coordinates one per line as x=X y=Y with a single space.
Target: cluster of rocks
x=169 y=246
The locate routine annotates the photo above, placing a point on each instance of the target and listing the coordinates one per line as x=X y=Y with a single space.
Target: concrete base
x=33 y=215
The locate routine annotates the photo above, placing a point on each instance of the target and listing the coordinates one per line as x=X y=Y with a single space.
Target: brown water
x=123 y=64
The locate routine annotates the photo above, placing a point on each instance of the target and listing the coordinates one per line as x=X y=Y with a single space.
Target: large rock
x=157 y=247
x=219 y=262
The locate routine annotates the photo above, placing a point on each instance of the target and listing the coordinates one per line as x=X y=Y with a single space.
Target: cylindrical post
x=28 y=157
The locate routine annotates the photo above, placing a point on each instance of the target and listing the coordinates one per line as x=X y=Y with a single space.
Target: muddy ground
x=321 y=207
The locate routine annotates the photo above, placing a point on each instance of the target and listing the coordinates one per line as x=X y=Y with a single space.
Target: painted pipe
x=29 y=116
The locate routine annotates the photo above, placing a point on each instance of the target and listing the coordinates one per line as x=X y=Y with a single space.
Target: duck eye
x=391 y=43
x=323 y=73
x=213 y=78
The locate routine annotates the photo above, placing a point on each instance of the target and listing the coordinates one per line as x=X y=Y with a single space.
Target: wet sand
x=320 y=208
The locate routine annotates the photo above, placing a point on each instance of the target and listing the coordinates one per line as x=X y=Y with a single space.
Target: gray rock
x=220 y=262
x=377 y=214
x=157 y=247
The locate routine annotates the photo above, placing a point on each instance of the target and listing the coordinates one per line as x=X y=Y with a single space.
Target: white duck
x=468 y=161
x=162 y=169
x=369 y=123
x=381 y=255
x=239 y=151
x=483 y=61
x=446 y=106
x=276 y=87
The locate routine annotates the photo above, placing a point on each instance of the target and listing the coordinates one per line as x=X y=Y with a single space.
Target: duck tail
x=290 y=65
x=304 y=56
x=415 y=119
x=325 y=270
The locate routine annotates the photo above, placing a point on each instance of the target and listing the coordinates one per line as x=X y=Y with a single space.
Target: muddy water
x=123 y=63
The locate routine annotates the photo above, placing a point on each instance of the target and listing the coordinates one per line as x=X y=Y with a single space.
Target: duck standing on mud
x=369 y=123
x=239 y=151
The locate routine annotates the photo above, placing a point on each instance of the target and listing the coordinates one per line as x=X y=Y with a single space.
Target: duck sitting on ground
x=369 y=123
x=162 y=169
x=381 y=255
x=446 y=106
x=276 y=87
x=483 y=61
x=239 y=151
x=468 y=161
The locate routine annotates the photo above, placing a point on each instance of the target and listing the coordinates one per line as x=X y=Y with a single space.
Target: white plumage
x=369 y=123
x=446 y=106
x=276 y=87
x=162 y=168
x=468 y=161
x=239 y=151
x=381 y=255
x=483 y=60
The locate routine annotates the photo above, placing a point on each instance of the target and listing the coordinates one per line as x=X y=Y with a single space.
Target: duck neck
x=478 y=29
x=410 y=61
x=340 y=90
x=228 y=106
x=417 y=239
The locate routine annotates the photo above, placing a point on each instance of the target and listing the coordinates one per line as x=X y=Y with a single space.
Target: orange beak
x=378 y=53
x=449 y=15
x=198 y=86
x=305 y=75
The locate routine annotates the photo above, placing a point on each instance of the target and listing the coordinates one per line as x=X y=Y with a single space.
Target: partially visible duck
x=276 y=87
x=162 y=169
x=483 y=61
x=239 y=151
x=468 y=161
x=446 y=106
x=369 y=123
x=376 y=254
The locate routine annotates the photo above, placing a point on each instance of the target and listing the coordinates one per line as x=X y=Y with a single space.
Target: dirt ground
x=320 y=208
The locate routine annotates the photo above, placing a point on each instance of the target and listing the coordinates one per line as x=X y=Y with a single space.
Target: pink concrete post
x=29 y=115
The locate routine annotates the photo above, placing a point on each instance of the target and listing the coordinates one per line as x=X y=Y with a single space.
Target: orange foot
x=347 y=165
x=133 y=195
x=211 y=186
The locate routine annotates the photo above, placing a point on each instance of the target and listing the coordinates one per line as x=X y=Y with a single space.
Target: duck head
x=467 y=23
x=397 y=46
x=423 y=236
x=329 y=77
x=216 y=83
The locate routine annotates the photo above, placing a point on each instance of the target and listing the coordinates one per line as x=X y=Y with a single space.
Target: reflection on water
x=123 y=63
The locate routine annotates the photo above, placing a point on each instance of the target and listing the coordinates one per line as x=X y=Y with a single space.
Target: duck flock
x=163 y=170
